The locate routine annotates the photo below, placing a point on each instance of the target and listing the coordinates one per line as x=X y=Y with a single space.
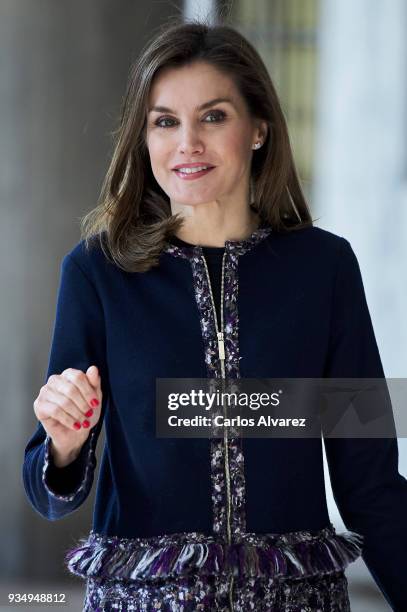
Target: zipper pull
x=221 y=346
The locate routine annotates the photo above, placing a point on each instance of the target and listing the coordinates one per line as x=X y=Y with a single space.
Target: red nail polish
x=94 y=402
x=85 y=423
x=89 y=412
x=77 y=425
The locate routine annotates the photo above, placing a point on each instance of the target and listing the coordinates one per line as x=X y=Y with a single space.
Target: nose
x=190 y=142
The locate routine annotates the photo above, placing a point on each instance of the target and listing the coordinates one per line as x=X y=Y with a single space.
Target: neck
x=208 y=233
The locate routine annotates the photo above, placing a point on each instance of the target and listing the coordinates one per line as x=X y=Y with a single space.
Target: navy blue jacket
x=294 y=307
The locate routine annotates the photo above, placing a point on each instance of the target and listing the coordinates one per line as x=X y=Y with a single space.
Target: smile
x=192 y=173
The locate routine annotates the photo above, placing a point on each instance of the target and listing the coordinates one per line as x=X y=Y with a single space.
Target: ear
x=261 y=131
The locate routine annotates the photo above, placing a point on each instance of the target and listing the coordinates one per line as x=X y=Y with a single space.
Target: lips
x=189 y=176
x=194 y=165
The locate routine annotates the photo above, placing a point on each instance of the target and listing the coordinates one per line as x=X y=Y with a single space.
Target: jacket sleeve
x=78 y=342
x=369 y=491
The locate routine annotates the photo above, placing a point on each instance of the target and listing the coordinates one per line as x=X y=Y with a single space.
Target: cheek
x=159 y=154
x=237 y=153
x=235 y=144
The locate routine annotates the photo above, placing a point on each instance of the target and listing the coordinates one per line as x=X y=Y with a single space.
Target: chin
x=193 y=200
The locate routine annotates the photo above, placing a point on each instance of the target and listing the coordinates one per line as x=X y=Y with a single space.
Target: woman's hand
x=68 y=406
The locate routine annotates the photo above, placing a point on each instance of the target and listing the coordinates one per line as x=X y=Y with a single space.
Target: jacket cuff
x=64 y=483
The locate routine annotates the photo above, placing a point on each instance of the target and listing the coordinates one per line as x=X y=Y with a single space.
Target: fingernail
x=94 y=402
x=89 y=413
x=85 y=423
x=77 y=425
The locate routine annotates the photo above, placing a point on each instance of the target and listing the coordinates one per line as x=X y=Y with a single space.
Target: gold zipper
x=221 y=353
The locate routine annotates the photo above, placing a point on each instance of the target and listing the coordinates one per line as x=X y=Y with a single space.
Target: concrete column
x=361 y=155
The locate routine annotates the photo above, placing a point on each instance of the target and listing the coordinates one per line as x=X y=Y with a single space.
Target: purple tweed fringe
x=293 y=555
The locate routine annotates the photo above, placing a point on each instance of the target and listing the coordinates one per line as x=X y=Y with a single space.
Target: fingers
x=64 y=404
x=76 y=385
x=69 y=398
x=57 y=408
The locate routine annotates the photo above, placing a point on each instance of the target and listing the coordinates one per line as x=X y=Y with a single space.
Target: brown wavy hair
x=133 y=218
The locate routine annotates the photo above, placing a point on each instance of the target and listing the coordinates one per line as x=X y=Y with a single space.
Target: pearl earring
x=257 y=145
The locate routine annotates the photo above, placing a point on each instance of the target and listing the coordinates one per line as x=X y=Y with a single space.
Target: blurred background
x=340 y=71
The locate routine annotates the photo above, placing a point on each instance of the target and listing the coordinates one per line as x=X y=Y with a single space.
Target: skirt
x=326 y=593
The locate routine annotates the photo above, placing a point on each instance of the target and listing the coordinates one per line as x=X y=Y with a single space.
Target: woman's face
x=185 y=126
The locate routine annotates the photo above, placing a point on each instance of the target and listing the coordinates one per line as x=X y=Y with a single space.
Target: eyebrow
x=165 y=109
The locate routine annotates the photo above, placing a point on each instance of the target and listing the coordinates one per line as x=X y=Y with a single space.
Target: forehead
x=191 y=84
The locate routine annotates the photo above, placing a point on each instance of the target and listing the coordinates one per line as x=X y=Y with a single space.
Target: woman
x=201 y=261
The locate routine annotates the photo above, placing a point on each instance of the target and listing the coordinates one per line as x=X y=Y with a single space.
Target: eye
x=218 y=114
x=159 y=121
